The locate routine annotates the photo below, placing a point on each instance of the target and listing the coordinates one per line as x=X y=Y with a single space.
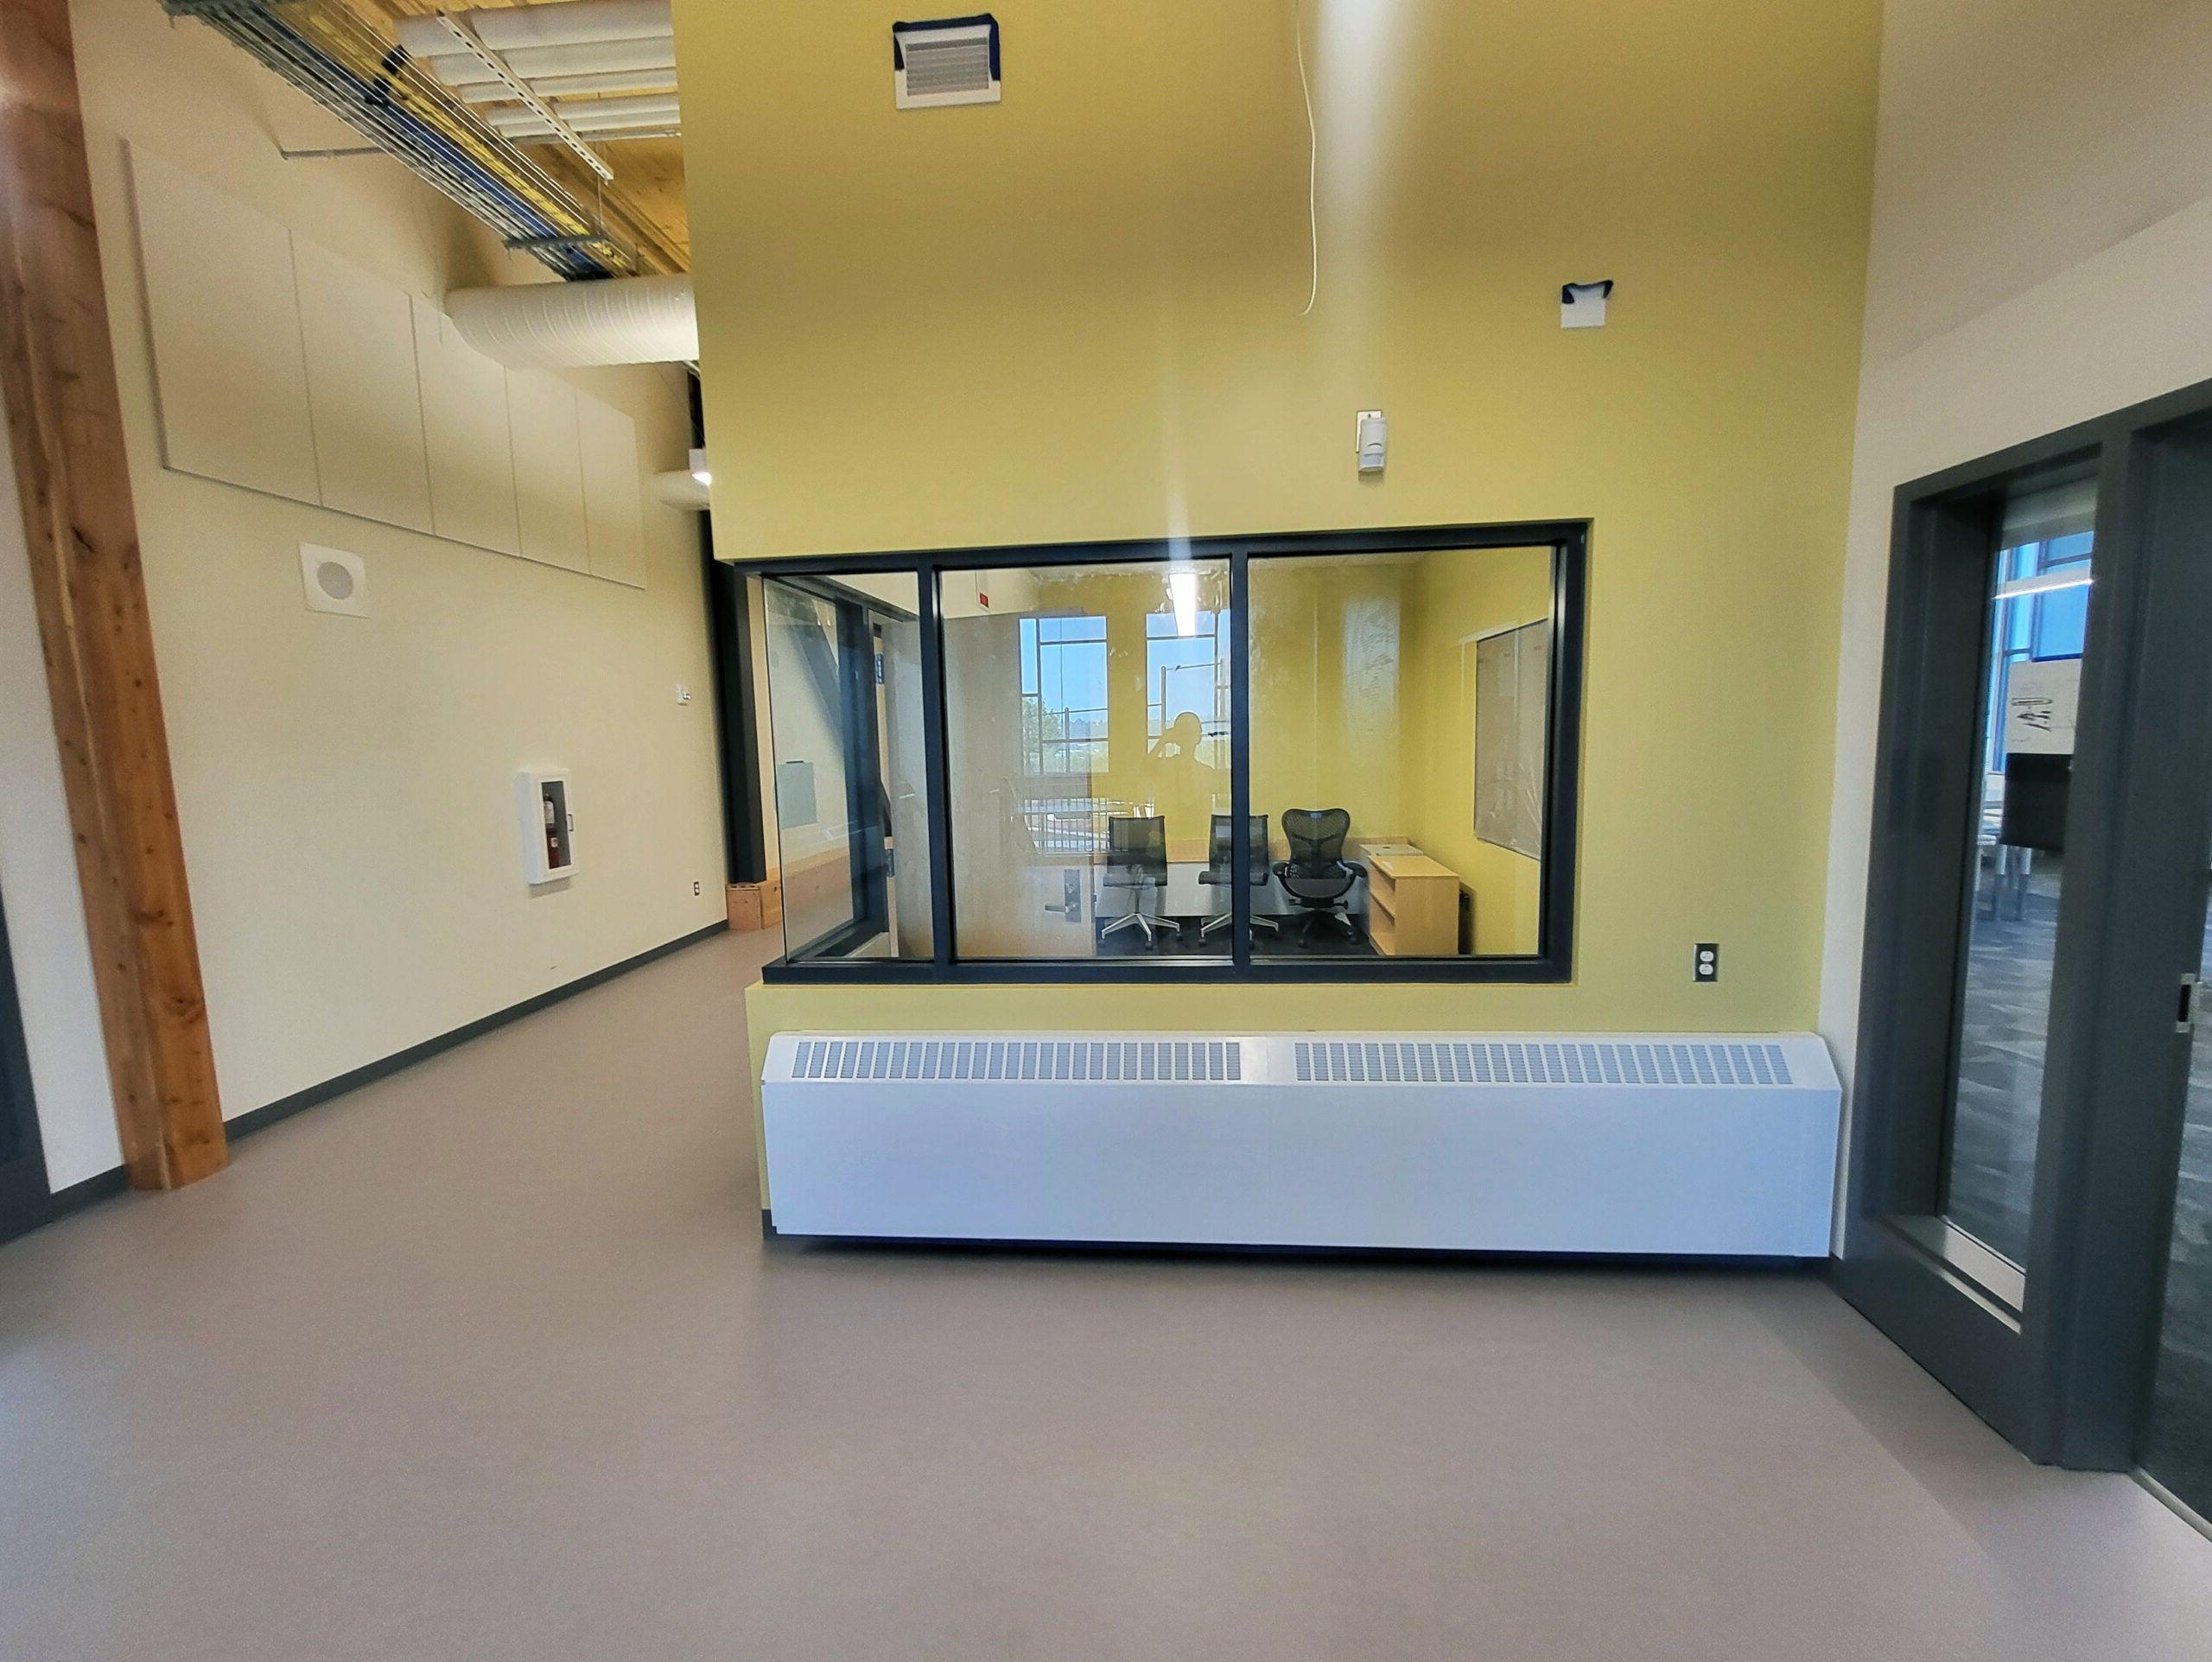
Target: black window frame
x=1552 y=962
x=1034 y=649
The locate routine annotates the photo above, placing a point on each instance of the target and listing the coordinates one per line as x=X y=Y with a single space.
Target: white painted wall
x=2042 y=237
x=38 y=884
x=345 y=786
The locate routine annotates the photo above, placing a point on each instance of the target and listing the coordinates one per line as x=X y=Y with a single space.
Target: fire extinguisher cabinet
x=548 y=827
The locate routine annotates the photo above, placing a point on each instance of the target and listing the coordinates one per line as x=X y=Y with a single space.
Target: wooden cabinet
x=1413 y=906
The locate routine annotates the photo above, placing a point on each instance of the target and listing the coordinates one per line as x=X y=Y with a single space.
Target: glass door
x=2177 y=1445
x=1989 y=941
x=845 y=721
x=2031 y=1119
x=2037 y=634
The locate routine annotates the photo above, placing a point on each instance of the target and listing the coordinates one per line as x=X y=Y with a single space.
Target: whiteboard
x=1512 y=702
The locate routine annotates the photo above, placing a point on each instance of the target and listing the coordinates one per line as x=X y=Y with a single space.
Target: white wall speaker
x=334 y=581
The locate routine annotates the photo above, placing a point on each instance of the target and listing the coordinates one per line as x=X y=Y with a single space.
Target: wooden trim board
x=65 y=429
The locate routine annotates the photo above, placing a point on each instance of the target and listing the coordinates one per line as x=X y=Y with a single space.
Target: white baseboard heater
x=1716 y=1145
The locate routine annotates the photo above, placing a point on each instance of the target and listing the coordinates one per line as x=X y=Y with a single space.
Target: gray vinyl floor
x=488 y=1362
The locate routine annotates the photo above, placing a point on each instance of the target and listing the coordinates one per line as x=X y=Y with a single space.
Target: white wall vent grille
x=949 y=60
x=1384 y=1062
x=1117 y=1062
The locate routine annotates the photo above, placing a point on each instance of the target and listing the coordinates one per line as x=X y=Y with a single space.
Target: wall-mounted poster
x=1512 y=684
x=2040 y=699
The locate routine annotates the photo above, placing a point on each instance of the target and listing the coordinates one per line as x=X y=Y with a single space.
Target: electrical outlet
x=695 y=889
x=1706 y=966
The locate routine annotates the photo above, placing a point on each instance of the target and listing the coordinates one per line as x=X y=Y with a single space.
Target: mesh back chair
x=1220 y=871
x=1136 y=859
x=1316 y=877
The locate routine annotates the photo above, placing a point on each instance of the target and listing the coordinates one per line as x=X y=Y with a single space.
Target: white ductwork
x=574 y=325
x=681 y=488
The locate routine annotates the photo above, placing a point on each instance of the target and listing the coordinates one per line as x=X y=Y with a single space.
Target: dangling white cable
x=1312 y=157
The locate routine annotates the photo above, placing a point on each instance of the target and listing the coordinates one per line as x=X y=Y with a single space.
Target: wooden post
x=65 y=427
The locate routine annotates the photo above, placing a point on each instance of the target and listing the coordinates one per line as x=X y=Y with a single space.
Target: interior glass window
x=845 y=718
x=1400 y=716
x=1086 y=732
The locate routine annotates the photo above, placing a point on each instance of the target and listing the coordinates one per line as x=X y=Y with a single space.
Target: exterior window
x=2042 y=617
x=1186 y=676
x=1063 y=694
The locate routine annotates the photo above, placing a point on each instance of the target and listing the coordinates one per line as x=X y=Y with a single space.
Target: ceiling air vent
x=947 y=60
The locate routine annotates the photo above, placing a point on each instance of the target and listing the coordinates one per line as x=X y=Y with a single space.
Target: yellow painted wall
x=1451 y=597
x=1076 y=314
x=1328 y=698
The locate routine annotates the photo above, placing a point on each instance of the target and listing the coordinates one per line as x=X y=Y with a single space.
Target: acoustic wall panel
x=222 y=306
x=549 y=468
x=367 y=404
x=465 y=425
x=614 y=521
x=280 y=367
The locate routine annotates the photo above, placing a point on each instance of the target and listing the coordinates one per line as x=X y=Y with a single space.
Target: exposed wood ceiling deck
x=644 y=205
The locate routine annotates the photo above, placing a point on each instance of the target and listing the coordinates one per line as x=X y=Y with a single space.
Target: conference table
x=1188 y=900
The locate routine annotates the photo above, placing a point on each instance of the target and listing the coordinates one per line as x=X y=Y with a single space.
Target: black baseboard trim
x=102 y=1185
x=75 y=1198
x=284 y=1107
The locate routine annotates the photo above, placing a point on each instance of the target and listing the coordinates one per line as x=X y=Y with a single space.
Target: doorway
x=23 y=1197
x=2031 y=1146
x=845 y=717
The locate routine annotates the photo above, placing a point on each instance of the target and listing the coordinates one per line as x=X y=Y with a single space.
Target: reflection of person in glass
x=1181 y=741
x=1184 y=787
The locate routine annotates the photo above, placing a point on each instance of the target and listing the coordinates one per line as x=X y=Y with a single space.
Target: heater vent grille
x=953 y=60
x=1075 y=1061
x=1423 y=1062
x=934 y=67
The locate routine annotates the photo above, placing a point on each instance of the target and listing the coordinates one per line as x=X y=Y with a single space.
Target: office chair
x=1220 y=872
x=1317 y=875
x=1136 y=859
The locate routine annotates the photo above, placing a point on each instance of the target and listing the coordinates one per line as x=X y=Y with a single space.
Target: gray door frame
x=2065 y=1375
x=25 y=1201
